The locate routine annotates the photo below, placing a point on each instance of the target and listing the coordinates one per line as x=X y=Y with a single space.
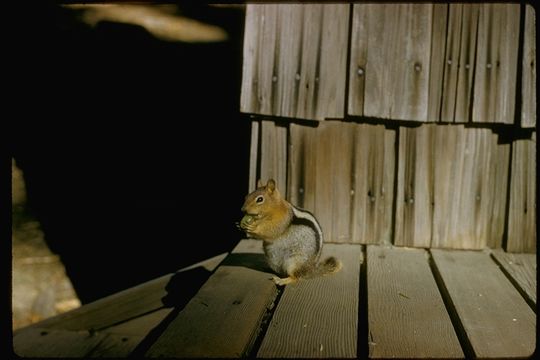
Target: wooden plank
x=467 y=54
x=253 y=155
x=352 y=197
x=274 y=154
x=294 y=330
x=496 y=63
x=302 y=166
x=223 y=319
x=359 y=56
x=373 y=160
x=459 y=62
x=42 y=343
x=451 y=187
x=324 y=177
x=398 y=59
x=451 y=62
x=528 y=76
x=470 y=179
x=497 y=321
x=414 y=188
x=258 y=71
x=115 y=346
x=407 y=315
x=522 y=211
x=522 y=269
x=286 y=72
x=120 y=340
x=123 y=305
x=342 y=145
x=436 y=67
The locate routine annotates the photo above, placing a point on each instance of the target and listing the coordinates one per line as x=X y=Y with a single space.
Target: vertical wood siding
x=528 y=76
x=453 y=184
x=390 y=54
x=522 y=214
x=496 y=63
x=295 y=60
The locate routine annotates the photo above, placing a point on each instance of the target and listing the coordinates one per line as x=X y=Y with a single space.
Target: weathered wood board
x=223 y=318
x=451 y=188
x=414 y=198
x=470 y=182
x=35 y=342
x=121 y=340
x=436 y=67
x=373 y=177
x=122 y=306
x=407 y=315
x=352 y=197
x=522 y=269
x=253 y=155
x=497 y=321
x=318 y=317
x=528 y=76
x=274 y=154
x=459 y=62
x=295 y=60
x=390 y=61
x=495 y=76
x=522 y=211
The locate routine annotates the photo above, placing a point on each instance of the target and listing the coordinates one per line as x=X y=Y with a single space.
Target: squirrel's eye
x=259 y=199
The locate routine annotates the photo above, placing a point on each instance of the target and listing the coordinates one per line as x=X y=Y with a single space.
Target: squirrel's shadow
x=184 y=284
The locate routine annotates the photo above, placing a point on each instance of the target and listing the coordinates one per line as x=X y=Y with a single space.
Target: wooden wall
x=426 y=119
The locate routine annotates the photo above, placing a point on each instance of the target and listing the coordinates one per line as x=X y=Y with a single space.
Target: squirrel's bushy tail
x=329 y=265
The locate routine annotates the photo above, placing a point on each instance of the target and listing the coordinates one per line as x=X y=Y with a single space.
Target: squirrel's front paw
x=281 y=282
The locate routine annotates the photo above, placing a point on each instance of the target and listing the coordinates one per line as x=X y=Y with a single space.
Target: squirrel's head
x=264 y=198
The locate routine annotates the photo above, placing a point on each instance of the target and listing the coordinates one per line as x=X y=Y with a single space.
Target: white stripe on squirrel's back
x=306 y=215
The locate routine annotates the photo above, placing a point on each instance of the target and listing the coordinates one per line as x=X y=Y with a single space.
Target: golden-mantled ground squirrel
x=292 y=237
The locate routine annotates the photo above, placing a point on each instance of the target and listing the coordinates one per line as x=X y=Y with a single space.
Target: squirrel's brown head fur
x=265 y=198
x=272 y=213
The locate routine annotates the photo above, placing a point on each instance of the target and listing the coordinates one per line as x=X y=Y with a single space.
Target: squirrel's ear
x=271 y=185
x=260 y=184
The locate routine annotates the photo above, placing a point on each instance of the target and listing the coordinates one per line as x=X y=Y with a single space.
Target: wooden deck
x=386 y=302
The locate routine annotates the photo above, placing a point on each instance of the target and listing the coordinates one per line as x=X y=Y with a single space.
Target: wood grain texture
x=414 y=215
x=522 y=269
x=113 y=309
x=35 y=342
x=522 y=211
x=274 y=154
x=496 y=63
x=397 y=63
x=295 y=60
x=223 y=318
x=120 y=340
x=459 y=62
x=497 y=320
x=407 y=315
x=122 y=306
x=470 y=182
x=528 y=76
x=451 y=189
x=373 y=165
x=359 y=57
x=253 y=155
x=318 y=318
x=436 y=67
x=302 y=166
x=351 y=197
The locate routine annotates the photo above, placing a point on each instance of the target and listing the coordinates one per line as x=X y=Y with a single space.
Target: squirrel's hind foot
x=281 y=282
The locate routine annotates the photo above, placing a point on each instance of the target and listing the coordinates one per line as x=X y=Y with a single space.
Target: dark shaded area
x=134 y=153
